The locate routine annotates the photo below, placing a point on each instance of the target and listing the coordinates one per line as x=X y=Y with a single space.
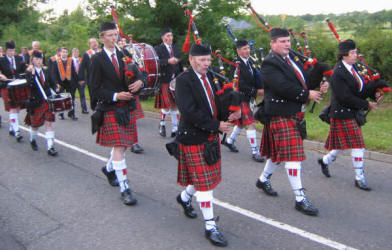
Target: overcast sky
x=290 y=7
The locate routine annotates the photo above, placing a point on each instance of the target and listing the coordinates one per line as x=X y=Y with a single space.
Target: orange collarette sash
x=64 y=74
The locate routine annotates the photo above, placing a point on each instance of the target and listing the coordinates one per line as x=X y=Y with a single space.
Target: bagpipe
x=143 y=60
x=367 y=73
x=318 y=71
x=227 y=94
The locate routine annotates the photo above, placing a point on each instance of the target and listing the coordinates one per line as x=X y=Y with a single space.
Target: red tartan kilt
x=281 y=140
x=7 y=104
x=40 y=115
x=110 y=134
x=344 y=134
x=194 y=170
x=164 y=100
x=139 y=114
x=246 y=115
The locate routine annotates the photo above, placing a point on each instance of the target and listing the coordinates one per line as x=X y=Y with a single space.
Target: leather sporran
x=173 y=149
x=324 y=115
x=301 y=126
x=260 y=115
x=360 y=117
x=96 y=120
x=212 y=152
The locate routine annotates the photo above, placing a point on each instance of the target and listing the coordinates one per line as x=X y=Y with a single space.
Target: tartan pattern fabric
x=110 y=134
x=40 y=115
x=281 y=140
x=139 y=114
x=7 y=104
x=246 y=115
x=164 y=100
x=344 y=134
x=194 y=170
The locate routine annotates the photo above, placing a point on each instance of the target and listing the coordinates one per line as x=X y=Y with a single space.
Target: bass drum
x=147 y=59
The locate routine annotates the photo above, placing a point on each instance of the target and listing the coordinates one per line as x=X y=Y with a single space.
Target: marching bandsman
x=170 y=66
x=199 y=126
x=84 y=68
x=286 y=92
x=116 y=101
x=63 y=73
x=249 y=88
x=11 y=66
x=349 y=94
x=77 y=61
x=38 y=112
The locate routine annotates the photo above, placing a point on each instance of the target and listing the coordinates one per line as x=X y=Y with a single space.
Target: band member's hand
x=373 y=106
x=135 y=86
x=172 y=60
x=30 y=68
x=3 y=77
x=124 y=96
x=81 y=83
x=315 y=96
x=260 y=92
x=224 y=127
x=324 y=87
x=378 y=96
x=58 y=88
x=235 y=116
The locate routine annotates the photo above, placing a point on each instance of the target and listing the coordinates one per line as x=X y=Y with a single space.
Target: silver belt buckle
x=303 y=108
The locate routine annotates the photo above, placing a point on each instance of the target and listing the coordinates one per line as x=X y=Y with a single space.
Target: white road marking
x=258 y=217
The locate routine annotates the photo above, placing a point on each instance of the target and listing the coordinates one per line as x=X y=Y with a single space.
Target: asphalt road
x=66 y=203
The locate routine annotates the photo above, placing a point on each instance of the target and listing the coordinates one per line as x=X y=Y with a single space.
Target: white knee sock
x=293 y=169
x=331 y=156
x=357 y=156
x=204 y=198
x=187 y=194
x=49 y=135
x=269 y=169
x=234 y=134
x=120 y=169
x=14 y=122
x=164 y=113
x=109 y=164
x=33 y=134
x=174 y=119
x=251 y=135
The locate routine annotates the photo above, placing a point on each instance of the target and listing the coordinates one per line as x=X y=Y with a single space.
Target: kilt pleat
x=164 y=100
x=281 y=140
x=139 y=114
x=194 y=170
x=110 y=134
x=39 y=116
x=7 y=104
x=344 y=134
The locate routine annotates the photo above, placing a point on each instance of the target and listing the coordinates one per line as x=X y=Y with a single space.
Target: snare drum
x=18 y=91
x=61 y=103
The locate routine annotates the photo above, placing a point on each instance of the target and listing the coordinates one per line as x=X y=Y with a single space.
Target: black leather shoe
x=362 y=184
x=173 y=134
x=52 y=152
x=84 y=112
x=324 y=167
x=306 y=207
x=187 y=206
x=257 y=157
x=216 y=237
x=18 y=137
x=112 y=179
x=61 y=115
x=11 y=133
x=136 y=148
x=162 y=130
x=231 y=146
x=34 y=145
x=127 y=198
x=73 y=117
x=266 y=187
